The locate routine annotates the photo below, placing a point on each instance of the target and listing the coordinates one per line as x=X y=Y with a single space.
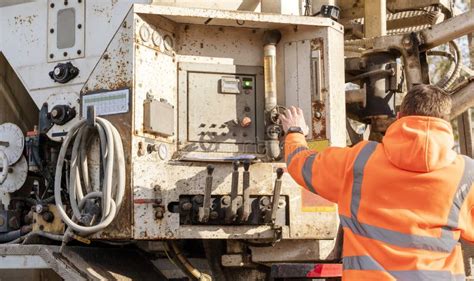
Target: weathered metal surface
x=113 y=72
x=27 y=51
x=296 y=251
x=16 y=106
x=155 y=76
x=87 y=263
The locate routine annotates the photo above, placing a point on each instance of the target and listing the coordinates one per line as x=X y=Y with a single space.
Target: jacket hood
x=419 y=143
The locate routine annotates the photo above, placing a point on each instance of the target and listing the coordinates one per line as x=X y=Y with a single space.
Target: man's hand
x=293 y=117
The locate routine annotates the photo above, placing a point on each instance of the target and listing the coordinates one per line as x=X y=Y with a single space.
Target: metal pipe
x=462 y=99
x=191 y=271
x=447 y=31
x=270 y=40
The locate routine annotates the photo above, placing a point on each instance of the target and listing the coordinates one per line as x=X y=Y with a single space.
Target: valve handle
x=210 y=170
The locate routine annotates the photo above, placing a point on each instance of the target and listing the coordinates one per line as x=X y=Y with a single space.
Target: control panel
x=222 y=107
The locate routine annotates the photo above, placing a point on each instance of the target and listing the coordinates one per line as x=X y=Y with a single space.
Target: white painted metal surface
x=22 y=262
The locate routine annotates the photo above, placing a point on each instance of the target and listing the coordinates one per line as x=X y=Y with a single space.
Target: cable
x=113 y=177
x=446 y=84
x=191 y=271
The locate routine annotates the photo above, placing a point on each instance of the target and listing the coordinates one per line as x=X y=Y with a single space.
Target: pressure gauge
x=16 y=176
x=12 y=142
x=168 y=42
x=162 y=151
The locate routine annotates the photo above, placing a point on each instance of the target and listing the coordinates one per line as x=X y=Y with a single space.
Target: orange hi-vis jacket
x=403 y=203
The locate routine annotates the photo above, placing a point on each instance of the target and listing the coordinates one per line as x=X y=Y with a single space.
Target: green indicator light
x=247 y=83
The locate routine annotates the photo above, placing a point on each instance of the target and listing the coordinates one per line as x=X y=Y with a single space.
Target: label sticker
x=107 y=103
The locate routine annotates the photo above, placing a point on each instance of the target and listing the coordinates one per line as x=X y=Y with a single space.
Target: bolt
x=51 y=30
x=198 y=199
x=318 y=115
x=39 y=208
x=48 y=216
x=54 y=113
x=406 y=42
x=213 y=215
x=159 y=213
x=245 y=122
x=225 y=200
x=79 y=26
x=186 y=206
x=264 y=201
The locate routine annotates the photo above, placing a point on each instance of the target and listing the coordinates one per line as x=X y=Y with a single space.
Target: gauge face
x=162 y=151
x=16 y=176
x=156 y=38
x=12 y=142
x=168 y=43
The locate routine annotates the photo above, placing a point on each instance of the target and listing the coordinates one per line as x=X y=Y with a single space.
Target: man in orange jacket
x=403 y=203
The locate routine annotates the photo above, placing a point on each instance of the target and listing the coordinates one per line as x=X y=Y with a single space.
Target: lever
x=231 y=212
x=246 y=191
x=271 y=216
x=205 y=210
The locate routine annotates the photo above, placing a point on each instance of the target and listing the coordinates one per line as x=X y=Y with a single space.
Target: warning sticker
x=107 y=103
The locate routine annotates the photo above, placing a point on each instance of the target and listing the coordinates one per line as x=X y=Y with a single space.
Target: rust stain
x=24 y=19
x=319 y=120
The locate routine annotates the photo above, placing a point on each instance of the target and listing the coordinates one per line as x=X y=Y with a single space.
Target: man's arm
x=321 y=173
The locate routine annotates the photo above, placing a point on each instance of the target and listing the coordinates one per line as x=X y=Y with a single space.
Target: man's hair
x=426 y=100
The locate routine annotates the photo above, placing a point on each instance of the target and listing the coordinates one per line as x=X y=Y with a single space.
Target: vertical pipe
x=375 y=18
x=269 y=68
x=270 y=40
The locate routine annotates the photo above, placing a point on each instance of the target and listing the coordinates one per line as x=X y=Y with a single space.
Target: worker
x=403 y=203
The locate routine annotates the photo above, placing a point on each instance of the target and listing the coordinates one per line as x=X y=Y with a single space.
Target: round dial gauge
x=162 y=151
x=168 y=43
x=12 y=142
x=16 y=176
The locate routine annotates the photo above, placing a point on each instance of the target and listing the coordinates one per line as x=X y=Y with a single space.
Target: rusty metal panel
x=114 y=72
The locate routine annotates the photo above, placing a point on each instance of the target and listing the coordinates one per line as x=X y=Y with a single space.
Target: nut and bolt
x=159 y=213
x=48 y=216
x=213 y=215
x=225 y=200
x=186 y=206
x=198 y=199
x=318 y=115
x=264 y=201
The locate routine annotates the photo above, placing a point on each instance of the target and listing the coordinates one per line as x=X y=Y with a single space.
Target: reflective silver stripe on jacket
x=368 y=263
x=293 y=154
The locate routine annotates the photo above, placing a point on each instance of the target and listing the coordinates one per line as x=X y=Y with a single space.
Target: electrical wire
x=112 y=189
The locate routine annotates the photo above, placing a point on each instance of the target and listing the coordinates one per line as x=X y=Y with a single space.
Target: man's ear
x=398 y=115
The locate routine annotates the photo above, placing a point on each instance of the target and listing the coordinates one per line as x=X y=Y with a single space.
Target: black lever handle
x=231 y=213
x=246 y=192
x=276 y=197
x=205 y=210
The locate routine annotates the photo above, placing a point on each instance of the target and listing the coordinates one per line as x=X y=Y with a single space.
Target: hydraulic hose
x=191 y=271
x=112 y=190
x=446 y=83
x=4 y=174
